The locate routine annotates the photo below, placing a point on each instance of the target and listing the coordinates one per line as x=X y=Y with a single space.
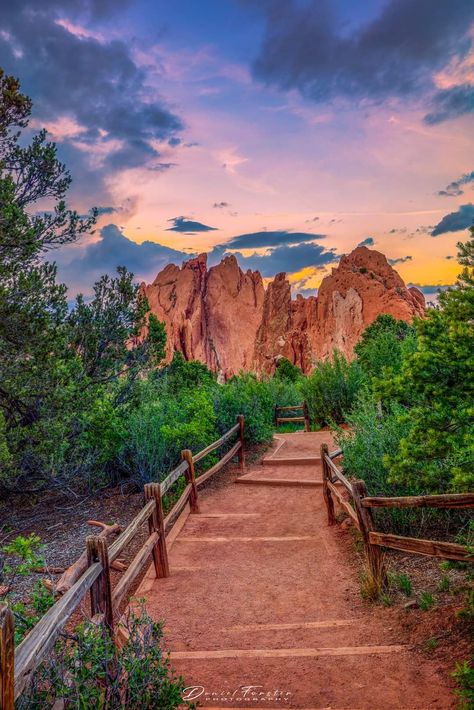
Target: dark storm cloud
x=188 y=226
x=96 y=82
x=463 y=218
x=283 y=258
x=394 y=54
x=369 y=242
x=256 y=240
x=113 y=249
x=450 y=103
x=454 y=188
x=400 y=260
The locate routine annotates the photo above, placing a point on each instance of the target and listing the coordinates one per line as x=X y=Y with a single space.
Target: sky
x=286 y=132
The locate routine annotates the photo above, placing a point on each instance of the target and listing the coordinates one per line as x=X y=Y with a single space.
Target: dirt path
x=262 y=607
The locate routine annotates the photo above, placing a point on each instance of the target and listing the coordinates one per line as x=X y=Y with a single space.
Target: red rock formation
x=210 y=315
x=358 y=290
x=223 y=317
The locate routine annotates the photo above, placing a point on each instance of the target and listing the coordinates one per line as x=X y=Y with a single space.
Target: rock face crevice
x=225 y=318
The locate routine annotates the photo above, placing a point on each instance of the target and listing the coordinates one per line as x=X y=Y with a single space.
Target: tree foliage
x=55 y=365
x=437 y=383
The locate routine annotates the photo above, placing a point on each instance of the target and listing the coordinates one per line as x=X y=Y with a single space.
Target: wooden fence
x=354 y=499
x=286 y=419
x=18 y=665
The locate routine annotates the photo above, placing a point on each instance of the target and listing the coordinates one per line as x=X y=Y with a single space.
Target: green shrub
x=374 y=433
x=285 y=370
x=464 y=676
x=19 y=558
x=383 y=346
x=331 y=389
x=401 y=581
x=87 y=671
x=426 y=600
x=158 y=429
x=251 y=397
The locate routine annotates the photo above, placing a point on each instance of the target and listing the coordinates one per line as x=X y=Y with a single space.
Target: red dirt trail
x=263 y=609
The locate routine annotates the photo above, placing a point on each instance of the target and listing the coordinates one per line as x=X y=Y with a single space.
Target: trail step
x=287 y=652
x=292 y=461
x=296 y=482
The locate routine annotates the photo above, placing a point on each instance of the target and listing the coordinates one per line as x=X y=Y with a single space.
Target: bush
x=383 y=346
x=285 y=370
x=88 y=671
x=248 y=396
x=331 y=389
x=163 y=424
x=464 y=676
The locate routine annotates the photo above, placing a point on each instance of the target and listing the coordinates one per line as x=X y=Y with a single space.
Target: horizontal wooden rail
x=219 y=465
x=216 y=444
x=432 y=548
x=288 y=409
x=282 y=420
x=135 y=568
x=129 y=533
x=335 y=454
x=177 y=507
x=452 y=500
x=343 y=503
x=338 y=473
x=172 y=477
x=42 y=637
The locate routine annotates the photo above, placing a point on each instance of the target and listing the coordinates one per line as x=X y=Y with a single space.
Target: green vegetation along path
x=262 y=607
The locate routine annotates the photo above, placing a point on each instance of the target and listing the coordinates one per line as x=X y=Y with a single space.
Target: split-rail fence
x=354 y=499
x=289 y=416
x=17 y=666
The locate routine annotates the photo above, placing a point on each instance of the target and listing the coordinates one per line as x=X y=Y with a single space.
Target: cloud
x=283 y=258
x=451 y=103
x=313 y=219
x=369 y=242
x=454 y=188
x=393 y=55
x=463 y=218
x=307 y=292
x=115 y=118
x=106 y=210
x=188 y=226
x=79 y=267
x=257 y=240
x=431 y=288
x=220 y=205
x=400 y=260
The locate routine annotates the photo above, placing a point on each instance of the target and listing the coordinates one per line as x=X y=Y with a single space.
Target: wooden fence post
x=326 y=492
x=366 y=524
x=156 y=524
x=7 y=659
x=187 y=456
x=307 y=422
x=101 y=595
x=241 y=420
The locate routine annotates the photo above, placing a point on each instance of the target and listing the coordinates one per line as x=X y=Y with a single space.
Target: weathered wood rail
x=285 y=419
x=17 y=666
x=353 y=497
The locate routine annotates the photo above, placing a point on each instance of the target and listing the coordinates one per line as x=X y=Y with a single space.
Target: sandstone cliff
x=224 y=317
